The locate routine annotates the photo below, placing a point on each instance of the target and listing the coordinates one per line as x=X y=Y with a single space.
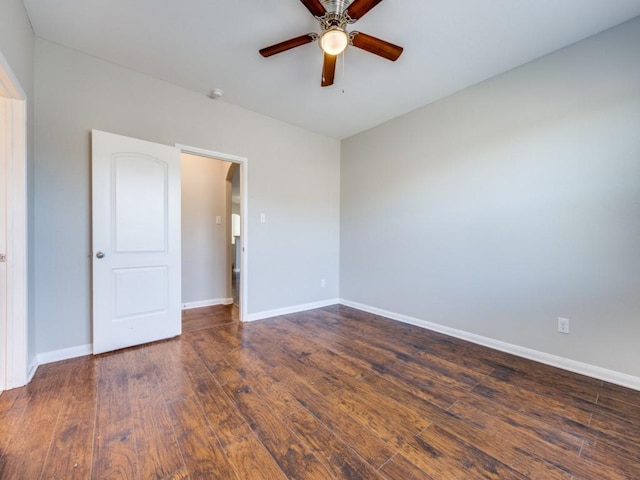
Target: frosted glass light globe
x=334 y=41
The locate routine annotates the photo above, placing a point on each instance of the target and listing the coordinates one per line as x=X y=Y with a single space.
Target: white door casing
x=13 y=167
x=136 y=242
x=3 y=243
x=244 y=209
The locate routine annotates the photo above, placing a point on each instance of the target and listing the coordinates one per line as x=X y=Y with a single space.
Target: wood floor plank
x=372 y=356
x=201 y=450
x=156 y=445
x=12 y=409
x=169 y=369
x=612 y=405
x=249 y=458
x=406 y=341
x=293 y=457
x=319 y=354
x=209 y=317
x=530 y=399
x=212 y=357
x=547 y=380
x=323 y=380
x=622 y=433
x=422 y=385
x=400 y=468
x=619 y=393
x=419 y=352
x=70 y=454
x=499 y=447
x=114 y=449
x=443 y=455
x=23 y=458
x=373 y=449
x=551 y=450
x=341 y=459
x=387 y=419
x=621 y=461
x=251 y=369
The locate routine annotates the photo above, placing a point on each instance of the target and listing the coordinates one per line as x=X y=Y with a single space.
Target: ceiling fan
x=334 y=16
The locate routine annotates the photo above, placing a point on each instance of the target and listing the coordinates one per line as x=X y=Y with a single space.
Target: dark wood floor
x=326 y=394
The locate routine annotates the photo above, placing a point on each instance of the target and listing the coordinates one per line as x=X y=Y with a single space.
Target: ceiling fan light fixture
x=334 y=41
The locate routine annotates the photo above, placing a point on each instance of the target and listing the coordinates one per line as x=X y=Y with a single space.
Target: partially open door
x=136 y=242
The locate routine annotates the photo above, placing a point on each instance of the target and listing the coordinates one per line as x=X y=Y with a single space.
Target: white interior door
x=136 y=242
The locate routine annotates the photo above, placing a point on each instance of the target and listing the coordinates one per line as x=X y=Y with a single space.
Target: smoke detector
x=216 y=93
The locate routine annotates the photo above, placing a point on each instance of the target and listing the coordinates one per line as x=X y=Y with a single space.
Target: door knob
x=100 y=255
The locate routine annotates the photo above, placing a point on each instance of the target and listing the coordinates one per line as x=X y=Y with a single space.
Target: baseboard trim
x=574 y=366
x=252 y=317
x=31 y=371
x=64 y=354
x=207 y=303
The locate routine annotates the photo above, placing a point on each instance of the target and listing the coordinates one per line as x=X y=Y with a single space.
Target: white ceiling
x=205 y=44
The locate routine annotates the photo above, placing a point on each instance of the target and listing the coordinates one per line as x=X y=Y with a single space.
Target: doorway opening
x=233 y=194
x=13 y=232
x=213 y=239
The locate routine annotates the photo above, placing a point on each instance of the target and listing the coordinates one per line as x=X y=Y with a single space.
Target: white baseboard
x=31 y=371
x=287 y=310
x=64 y=354
x=593 y=371
x=207 y=303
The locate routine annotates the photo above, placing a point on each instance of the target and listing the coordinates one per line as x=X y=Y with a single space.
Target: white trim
x=9 y=85
x=15 y=155
x=593 y=371
x=207 y=303
x=293 y=309
x=203 y=152
x=64 y=354
x=244 y=217
x=33 y=366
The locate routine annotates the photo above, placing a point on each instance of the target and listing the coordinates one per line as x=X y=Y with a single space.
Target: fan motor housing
x=335 y=6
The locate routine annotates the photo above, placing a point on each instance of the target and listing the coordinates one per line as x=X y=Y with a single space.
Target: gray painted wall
x=204 y=242
x=293 y=179
x=500 y=208
x=17 y=44
x=17 y=41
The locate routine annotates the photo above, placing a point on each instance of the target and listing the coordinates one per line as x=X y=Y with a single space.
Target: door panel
x=131 y=301
x=136 y=242
x=141 y=182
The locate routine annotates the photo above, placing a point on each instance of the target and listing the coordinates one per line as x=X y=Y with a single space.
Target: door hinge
x=3 y=258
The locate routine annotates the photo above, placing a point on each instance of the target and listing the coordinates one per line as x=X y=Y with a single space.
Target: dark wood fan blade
x=359 y=8
x=328 y=70
x=376 y=46
x=287 y=45
x=315 y=7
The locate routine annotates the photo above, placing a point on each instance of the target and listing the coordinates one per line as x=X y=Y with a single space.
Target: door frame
x=243 y=163
x=13 y=162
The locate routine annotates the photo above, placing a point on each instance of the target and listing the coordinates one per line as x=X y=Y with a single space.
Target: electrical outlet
x=323 y=283
x=563 y=325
